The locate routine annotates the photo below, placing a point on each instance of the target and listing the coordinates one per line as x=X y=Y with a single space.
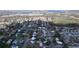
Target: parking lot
x=38 y=34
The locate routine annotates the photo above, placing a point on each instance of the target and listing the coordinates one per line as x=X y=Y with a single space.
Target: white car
x=33 y=38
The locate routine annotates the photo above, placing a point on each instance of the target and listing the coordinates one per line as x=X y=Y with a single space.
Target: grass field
x=65 y=20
